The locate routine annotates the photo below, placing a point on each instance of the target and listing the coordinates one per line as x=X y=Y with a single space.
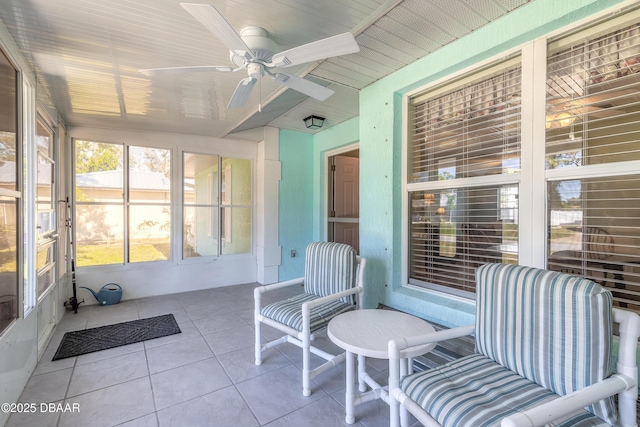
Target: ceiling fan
x=254 y=51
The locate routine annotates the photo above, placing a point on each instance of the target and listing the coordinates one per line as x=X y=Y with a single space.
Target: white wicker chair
x=543 y=357
x=333 y=284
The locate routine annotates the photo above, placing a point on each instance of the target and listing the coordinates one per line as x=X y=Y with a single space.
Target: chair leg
x=257 y=297
x=258 y=344
x=403 y=412
x=306 y=364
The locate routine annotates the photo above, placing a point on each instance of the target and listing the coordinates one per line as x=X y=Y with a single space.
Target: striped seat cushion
x=330 y=268
x=289 y=312
x=475 y=391
x=552 y=328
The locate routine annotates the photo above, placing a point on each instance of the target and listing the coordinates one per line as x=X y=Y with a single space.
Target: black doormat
x=105 y=337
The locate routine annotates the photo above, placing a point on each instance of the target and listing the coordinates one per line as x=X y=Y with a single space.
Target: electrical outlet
x=293 y=253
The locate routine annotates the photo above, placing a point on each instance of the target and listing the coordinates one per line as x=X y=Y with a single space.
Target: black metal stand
x=73 y=301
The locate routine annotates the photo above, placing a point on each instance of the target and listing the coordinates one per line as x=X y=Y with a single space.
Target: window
x=149 y=198
x=9 y=195
x=463 y=169
x=123 y=200
x=46 y=209
x=217 y=205
x=593 y=157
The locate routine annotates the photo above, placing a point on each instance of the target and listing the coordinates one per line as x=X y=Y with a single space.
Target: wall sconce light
x=429 y=198
x=313 y=122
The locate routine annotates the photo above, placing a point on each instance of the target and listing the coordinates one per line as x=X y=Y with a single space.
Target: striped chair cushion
x=475 y=391
x=551 y=328
x=329 y=268
x=289 y=312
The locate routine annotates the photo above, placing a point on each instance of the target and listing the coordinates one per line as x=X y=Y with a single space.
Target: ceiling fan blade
x=341 y=44
x=307 y=87
x=242 y=92
x=156 y=71
x=213 y=21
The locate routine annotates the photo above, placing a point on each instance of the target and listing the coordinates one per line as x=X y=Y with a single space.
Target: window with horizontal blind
x=463 y=164
x=453 y=231
x=474 y=129
x=593 y=100
x=595 y=232
x=593 y=156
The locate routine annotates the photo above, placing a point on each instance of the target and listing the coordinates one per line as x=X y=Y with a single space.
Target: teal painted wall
x=302 y=190
x=334 y=138
x=379 y=132
x=381 y=149
x=295 y=207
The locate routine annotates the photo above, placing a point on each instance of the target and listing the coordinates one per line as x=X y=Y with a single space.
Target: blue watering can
x=111 y=293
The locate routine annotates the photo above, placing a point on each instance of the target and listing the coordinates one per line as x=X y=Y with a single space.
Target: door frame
x=325 y=200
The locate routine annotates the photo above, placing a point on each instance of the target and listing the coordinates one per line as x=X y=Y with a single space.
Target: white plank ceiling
x=87 y=53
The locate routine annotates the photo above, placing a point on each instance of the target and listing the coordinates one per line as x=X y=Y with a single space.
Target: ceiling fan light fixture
x=313 y=122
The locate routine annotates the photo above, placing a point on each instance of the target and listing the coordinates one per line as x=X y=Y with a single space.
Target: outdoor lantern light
x=314 y=122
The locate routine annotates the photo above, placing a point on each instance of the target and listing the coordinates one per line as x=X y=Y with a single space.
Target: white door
x=344 y=200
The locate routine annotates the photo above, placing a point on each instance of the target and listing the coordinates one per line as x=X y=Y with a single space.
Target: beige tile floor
x=204 y=376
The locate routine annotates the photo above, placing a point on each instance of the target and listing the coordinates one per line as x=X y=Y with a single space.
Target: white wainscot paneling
x=161 y=279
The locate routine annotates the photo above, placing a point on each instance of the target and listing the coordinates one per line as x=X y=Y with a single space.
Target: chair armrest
x=257 y=292
x=279 y=285
x=399 y=344
x=307 y=306
x=332 y=297
x=565 y=405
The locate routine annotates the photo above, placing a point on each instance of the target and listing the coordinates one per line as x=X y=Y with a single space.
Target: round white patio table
x=366 y=333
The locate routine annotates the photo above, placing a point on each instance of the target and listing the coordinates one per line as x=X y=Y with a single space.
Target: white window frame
x=28 y=206
x=126 y=204
x=50 y=238
x=220 y=205
x=431 y=90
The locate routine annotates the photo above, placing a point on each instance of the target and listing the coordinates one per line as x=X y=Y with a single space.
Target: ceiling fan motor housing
x=254 y=70
x=257 y=40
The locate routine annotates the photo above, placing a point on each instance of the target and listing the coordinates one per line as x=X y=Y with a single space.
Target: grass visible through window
x=104 y=254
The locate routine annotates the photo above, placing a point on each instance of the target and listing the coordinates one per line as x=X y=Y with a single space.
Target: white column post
x=267 y=186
